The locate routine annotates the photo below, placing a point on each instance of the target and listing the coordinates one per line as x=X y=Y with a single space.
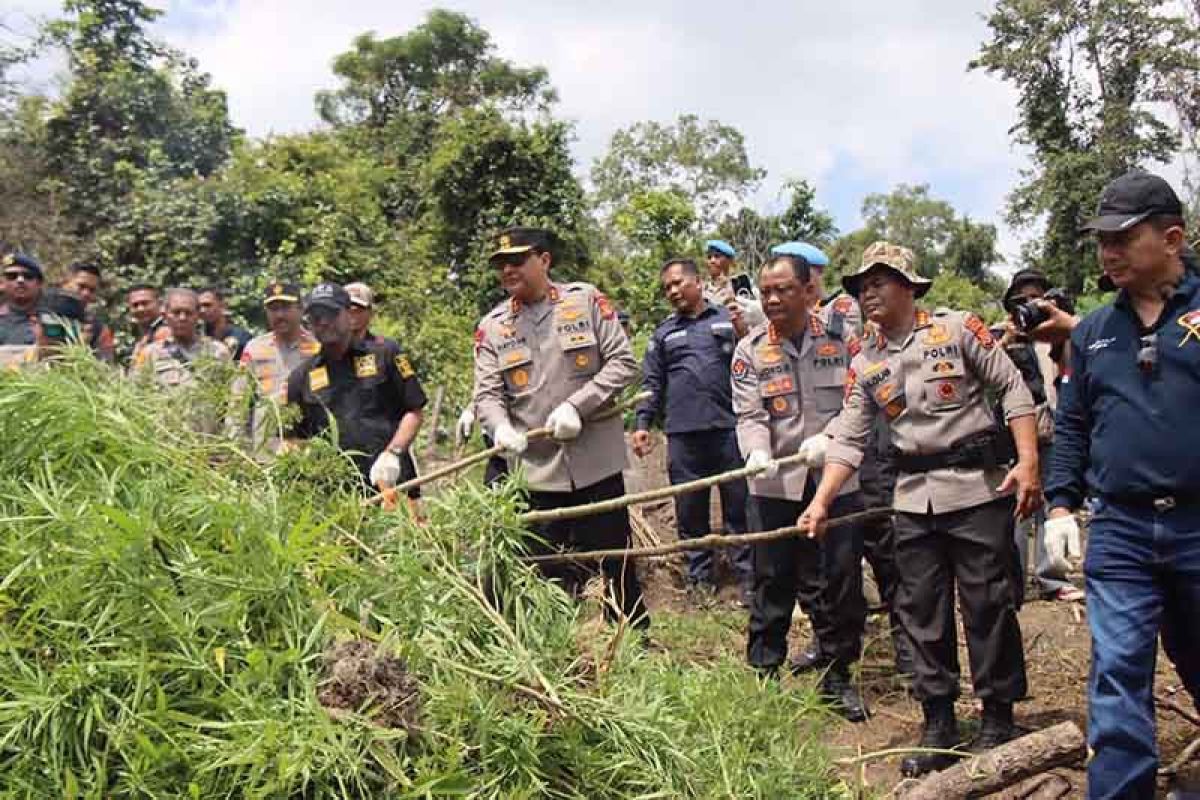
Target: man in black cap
x=371 y=390
x=23 y=291
x=1126 y=432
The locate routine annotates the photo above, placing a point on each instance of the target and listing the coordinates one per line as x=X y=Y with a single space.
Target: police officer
x=268 y=360
x=736 y=293
x=839 y=311
x=370 y=390
x=145 y=314
x=362 y=311
x=552 y=355
x=686 y=371
x=171 y=361
x=214 y=315
x=788 y=375
x=23 y=291
x=1126 y=431
x=928 y=374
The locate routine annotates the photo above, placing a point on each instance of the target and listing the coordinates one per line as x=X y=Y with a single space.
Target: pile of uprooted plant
x=178 y=619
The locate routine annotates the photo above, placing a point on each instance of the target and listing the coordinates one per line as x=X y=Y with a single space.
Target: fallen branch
x=484 y=455
x=714 y=541
x=1005 y=765
x=573 y=512
x=1171 y=704
x=1179 y=763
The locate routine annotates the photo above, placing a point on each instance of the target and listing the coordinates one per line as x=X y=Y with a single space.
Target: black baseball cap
x=25 y=262
x=327 y=295
x=278 y=291
x=1132 y=198
x=1024 y=277
x=515 y=240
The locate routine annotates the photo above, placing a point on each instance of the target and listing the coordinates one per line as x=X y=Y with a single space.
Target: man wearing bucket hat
x=927 y=374
x=1126 y=433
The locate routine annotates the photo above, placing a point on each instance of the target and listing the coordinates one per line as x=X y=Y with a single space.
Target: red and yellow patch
x=581 y=360
x=827 y=350
x=942 y=367
x=947 y=391
x=779 y=404
x=606 y=309
x=853 y=346
x=478 y=339
x=982 y=334
x=844 y=304
x=739 y=368
x=851 y=379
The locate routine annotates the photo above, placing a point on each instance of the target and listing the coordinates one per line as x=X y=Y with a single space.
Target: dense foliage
x=168 y=628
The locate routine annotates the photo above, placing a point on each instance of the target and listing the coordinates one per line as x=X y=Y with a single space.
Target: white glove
x=564 y=422
x=509 y=439
x=761 y=459
x=1062 y=541
x=386 y=469
x=466 y=424
x=812 y=450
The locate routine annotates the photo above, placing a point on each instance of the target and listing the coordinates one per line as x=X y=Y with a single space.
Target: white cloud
x=856 y=96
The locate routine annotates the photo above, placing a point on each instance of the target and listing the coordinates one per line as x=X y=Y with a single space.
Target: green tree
x=131 y=106
x=754 y=234
x=703 y=161
x=1085 y=71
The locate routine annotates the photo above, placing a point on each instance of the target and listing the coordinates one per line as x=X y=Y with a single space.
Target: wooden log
x=1003 y=766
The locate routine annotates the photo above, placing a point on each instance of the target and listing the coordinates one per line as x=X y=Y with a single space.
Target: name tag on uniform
x=675 y=335
x=365 y=366
x=719 y=326
x=318 y=379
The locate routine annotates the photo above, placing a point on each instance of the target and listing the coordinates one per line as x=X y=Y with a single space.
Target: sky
x=854 y=96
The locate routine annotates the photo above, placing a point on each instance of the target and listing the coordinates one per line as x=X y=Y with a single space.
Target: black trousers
x=969 y=549
x=780 y=567
x=597 y=532
x=496 y=468
x=699 y=455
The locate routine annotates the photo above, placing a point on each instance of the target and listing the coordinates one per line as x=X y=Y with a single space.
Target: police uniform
x=157 y=331
x=1127 y=433
x=268 y=362
x=235 y=341
x=172 y=364
x=785 y=391
x=367 y=391
x=952 y=519
x=568 y=347
x=720 y=291
x=686 y=371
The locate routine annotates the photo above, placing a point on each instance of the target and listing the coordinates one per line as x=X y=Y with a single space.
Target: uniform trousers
x=1143 y=577
x=605 y=531
x=700 y=454
x=970 y=549
x=831 y=563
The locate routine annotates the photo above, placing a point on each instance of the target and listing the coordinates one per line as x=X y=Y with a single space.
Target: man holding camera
x=736 y=292
x=1038 y=365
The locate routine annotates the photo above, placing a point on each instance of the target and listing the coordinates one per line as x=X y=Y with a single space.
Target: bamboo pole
x=599 y=507
x=712 y=541
x=484 y=455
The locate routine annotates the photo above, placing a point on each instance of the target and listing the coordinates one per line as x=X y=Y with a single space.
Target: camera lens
x=1029 y=315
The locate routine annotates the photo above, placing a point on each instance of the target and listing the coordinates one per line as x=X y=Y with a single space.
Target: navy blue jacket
x=1119 y=430
x=686 y=370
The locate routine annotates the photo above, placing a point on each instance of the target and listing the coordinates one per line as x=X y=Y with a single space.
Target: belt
x=982 y=451
x=1148 y=501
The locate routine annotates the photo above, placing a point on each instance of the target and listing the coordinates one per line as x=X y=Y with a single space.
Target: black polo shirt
x=367 y=391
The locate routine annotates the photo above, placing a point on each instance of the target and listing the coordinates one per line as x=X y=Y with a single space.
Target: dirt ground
x=1056 y=639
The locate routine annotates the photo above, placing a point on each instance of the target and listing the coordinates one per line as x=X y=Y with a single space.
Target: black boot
x=903 y=651
x=996 y=727
x=808 y=659
x=837 y=690
x=941 y=733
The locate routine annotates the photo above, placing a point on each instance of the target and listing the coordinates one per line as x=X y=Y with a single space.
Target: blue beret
x=808 y=252
x=24 y=261
x=721 y=246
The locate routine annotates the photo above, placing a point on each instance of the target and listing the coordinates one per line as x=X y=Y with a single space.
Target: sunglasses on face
x=18 y=275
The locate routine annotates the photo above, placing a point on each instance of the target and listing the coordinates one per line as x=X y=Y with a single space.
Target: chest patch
x=403 y=366
x=365 y=367
x=1190 y=322
x=318 y=379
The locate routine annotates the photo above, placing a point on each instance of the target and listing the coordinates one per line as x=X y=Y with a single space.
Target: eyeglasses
x=18 y=275
x=1147 y=356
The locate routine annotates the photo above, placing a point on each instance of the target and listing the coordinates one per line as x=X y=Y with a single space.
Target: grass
x=167 y=603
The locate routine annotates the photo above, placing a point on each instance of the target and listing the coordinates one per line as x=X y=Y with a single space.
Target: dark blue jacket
x=1121 y=430
x=686 y=370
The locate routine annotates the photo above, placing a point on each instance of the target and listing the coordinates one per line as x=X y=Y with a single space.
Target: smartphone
x=741 y=285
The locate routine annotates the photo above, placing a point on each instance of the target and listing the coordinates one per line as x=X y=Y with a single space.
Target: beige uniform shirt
x=782 y=395
x=171 y=364
x=719 y=292
x=267 y=362
x=931 y=389
x=842 y=315
x=529 y=359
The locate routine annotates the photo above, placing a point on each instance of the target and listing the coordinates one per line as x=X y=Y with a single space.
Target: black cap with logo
x=1131 y=198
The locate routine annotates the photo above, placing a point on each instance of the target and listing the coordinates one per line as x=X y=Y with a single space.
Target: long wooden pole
x=650 y=495
x=484 y=455
x=713 y=541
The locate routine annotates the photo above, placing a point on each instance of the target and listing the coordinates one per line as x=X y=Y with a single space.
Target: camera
x=1027 y=314
x=742 y=287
